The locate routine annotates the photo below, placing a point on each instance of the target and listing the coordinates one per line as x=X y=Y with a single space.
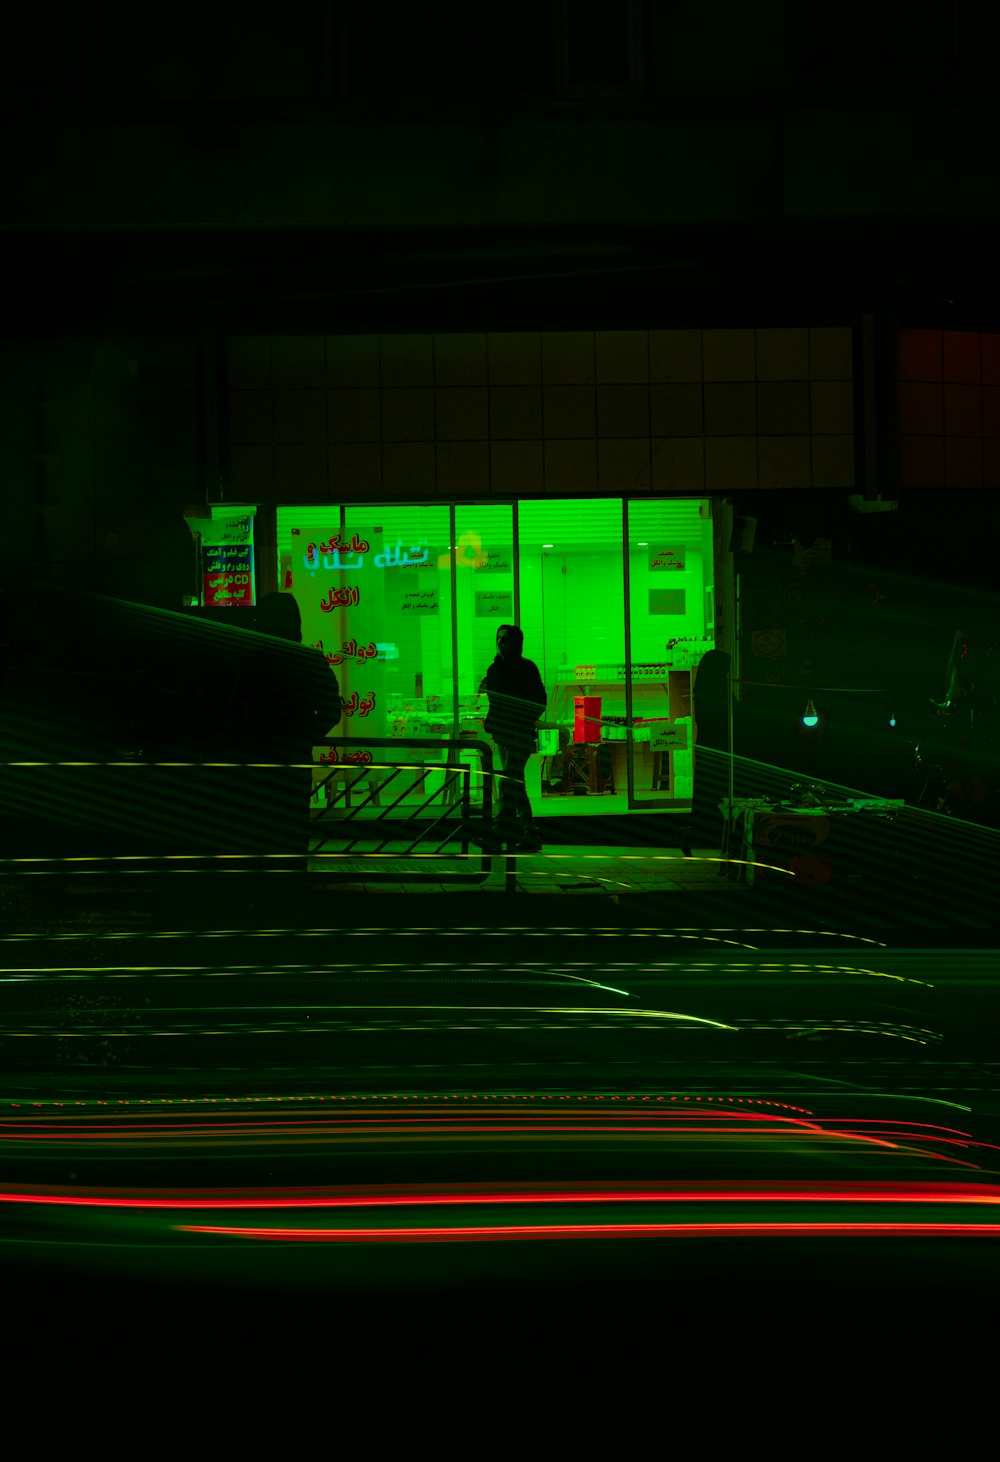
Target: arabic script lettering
x=353 y=706
x=350 y=650
x=340 y=598
x=356 y=758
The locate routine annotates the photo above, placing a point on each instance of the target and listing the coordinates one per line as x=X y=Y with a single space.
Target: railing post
x=454 y=767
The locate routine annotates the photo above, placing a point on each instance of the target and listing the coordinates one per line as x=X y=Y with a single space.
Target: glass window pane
x=573 y=601
x=304 y=570
x=375 y=596
x=670 y=602
x=484 y=584
x=296 y=526
x=402 y=608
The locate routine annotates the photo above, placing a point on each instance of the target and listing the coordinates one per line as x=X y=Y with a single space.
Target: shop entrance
x=618 y=596
x=615 y=598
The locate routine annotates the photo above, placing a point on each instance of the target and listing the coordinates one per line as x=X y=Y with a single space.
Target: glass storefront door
x=573 y=615
x=670 y=626
x=615 y=598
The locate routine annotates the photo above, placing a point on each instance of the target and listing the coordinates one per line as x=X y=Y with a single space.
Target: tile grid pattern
x=949 y=409
x=548 y=413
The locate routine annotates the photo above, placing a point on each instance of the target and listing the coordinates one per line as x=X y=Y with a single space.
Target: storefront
x=618 y=600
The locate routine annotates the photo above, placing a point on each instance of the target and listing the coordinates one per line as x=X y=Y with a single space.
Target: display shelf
x=638 y=731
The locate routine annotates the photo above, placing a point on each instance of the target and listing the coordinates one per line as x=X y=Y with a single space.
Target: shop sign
x=394 y=555
x=494 y=604
x=343 y=614
x=228 y=575
x=334 y=555
x=495 y=561
x=421 y=600
x=669 y=736
x=349 y=650
x=672 y=557
x=667 y=601
x=769 y=644
x=227 y=559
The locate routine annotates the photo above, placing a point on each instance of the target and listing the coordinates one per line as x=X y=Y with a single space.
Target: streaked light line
x=606 y=1231
x=510 y=1009
x=800 y=1193
x=895 y=1097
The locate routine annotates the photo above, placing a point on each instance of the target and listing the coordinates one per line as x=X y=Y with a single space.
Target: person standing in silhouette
x=517 y=700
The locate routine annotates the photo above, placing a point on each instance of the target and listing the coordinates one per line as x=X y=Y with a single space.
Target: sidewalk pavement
x=907 y=900
x=595 y=871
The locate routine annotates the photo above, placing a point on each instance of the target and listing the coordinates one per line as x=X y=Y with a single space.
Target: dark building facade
x=329 y=254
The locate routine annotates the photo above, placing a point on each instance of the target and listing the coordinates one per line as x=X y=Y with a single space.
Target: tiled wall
x=458 y=415
x=949 y=409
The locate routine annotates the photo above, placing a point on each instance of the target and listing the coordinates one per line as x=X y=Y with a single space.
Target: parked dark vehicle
x=116 y=723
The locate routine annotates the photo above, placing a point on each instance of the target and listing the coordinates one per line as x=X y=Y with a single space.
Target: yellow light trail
x=539 y=1010
x=457 y=930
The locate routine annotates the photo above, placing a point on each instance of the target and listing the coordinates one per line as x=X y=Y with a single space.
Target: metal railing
x=456 y=806
x=131 y=815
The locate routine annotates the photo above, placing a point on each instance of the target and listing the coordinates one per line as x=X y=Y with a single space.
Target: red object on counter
x=586 y=718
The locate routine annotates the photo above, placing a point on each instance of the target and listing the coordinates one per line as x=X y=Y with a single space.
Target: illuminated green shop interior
x=616 y=600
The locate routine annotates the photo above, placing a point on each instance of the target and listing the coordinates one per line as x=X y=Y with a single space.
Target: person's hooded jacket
x=515 y=690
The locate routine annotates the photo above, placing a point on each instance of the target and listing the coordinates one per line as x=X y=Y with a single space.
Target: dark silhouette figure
x=711 y=700
x=286 y=699
x=711 y=692
x=517 y=700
